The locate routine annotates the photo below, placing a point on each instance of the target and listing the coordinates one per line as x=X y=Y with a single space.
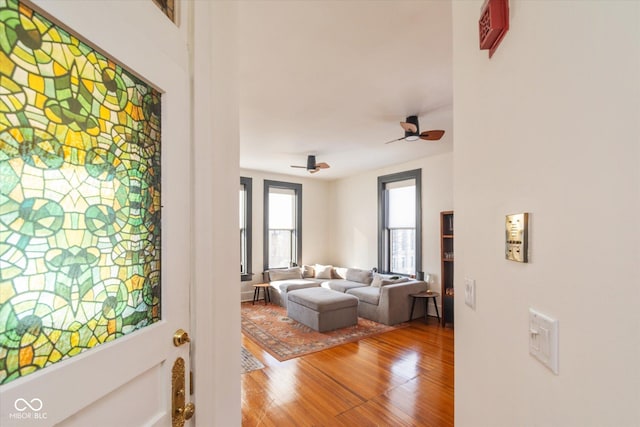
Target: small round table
x=265 y=290
x=426 y=295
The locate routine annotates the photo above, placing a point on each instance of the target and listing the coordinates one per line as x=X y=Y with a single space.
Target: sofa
x=383 y=298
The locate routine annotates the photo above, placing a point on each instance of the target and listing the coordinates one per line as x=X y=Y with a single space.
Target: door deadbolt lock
x=180 y=337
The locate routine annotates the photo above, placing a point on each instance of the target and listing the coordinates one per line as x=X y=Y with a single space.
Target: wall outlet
x=470 y=292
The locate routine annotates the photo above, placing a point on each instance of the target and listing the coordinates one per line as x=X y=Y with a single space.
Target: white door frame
x=216 y=247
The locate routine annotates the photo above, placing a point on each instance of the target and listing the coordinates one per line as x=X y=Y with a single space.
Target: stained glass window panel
x=167 y=7
x=79 y=195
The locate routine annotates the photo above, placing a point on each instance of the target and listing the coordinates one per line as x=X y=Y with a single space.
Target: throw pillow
x=376 y=282
x=359 y=275
x=323 y=271
x=308 y=271
x=285 y=274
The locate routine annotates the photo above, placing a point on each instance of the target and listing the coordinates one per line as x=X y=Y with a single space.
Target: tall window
x=399 y=222
x=245 y=228
x=282 y=224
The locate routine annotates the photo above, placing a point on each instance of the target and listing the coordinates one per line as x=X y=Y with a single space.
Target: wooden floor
x=399 y=378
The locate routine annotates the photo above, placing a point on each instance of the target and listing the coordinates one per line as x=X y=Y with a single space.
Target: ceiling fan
x=312 y=166
x=412 y=131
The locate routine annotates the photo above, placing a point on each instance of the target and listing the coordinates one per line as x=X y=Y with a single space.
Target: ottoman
x=322 y=309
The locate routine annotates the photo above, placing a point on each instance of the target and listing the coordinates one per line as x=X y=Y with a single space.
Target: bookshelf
x=447 y=261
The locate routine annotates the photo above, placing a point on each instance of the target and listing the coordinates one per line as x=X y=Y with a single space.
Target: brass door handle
x=181 y=411
x=181 y=337
x=187 y=412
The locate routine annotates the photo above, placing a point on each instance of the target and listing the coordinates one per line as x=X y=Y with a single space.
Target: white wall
x=550 y=125
x=355 y=214
x=316 y=222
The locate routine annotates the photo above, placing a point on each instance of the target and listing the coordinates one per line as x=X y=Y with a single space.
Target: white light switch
x=470 y=292
x=543 y=339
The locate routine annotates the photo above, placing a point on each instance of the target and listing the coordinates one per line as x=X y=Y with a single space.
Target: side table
x=425 y=296
x=266 y=295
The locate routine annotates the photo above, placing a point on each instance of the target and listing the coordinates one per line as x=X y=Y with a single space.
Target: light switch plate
x=544 y=339
x=470 y=292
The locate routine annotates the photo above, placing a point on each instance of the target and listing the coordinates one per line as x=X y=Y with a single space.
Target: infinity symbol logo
x=21 y=404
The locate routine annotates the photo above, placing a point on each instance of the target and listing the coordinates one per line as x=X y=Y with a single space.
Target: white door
x=127 y=382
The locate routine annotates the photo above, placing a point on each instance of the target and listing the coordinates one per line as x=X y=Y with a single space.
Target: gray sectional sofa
x=382 y=298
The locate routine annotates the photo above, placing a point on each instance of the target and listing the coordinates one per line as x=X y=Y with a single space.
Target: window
x=245 y=228
x=399 y=223
x=282 y=224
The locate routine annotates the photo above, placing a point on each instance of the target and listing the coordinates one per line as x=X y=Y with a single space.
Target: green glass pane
x=79 y=196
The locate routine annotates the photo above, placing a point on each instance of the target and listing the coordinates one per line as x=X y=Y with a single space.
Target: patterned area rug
x=284 y=338
x=248 y=361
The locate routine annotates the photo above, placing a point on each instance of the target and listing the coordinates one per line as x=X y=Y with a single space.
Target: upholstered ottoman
x=322 y=309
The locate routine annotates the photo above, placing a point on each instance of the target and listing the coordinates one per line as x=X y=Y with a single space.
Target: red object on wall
x=493 y=24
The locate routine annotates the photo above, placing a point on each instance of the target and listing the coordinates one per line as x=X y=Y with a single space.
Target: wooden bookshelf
x=447 y=261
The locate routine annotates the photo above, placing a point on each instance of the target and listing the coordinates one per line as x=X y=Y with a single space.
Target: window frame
x=297 y=189
x=384 y=243
x=248 y=218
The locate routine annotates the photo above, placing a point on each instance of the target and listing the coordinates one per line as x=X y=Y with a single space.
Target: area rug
x=248 y=362
x=284 y=338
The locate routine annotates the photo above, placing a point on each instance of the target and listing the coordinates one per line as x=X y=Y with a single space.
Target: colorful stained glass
x=79 y=196
x=167 y=7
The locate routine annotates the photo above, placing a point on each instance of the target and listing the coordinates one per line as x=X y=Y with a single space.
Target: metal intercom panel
x=517 y=237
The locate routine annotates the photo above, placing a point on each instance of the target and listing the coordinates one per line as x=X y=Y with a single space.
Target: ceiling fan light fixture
x=411 y=129
x=311 y=162
x=412 y=132
x=312 y=166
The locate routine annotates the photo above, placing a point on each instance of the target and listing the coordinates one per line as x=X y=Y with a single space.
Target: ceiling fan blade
x=302 y=167
x=409 y=127
x=432 y=135
x=322 y=165
x=314 y=170
x=399 y=139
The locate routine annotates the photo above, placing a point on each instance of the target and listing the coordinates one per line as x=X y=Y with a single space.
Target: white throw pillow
x=323 y=271
x=377 y=280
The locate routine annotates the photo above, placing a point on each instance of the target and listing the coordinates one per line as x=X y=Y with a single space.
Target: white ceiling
x=335 y=78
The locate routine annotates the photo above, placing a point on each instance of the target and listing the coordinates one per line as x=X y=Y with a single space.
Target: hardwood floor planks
x=374 y=413
x=399 y=378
